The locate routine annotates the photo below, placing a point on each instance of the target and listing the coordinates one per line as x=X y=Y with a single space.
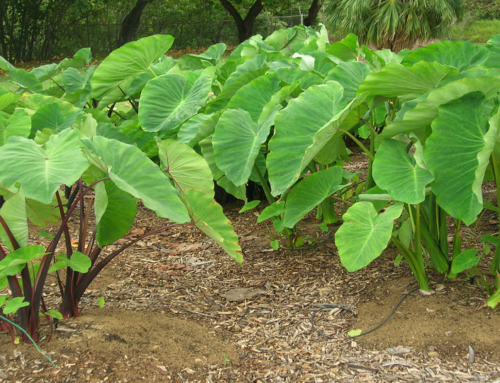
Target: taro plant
x=283 y=106
x=51 y=139
x=432 y=154
x=120 y=174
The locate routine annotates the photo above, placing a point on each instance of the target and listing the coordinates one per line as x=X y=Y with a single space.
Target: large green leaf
x=58 y=116
x=397 y=172
x=72 y=80
x=209 y=218
x=293 y=75
x=19 y=124
x=396 y=80
x=13 y=213
x=186 y=167
x=41 y=171
x=44 y=72
x=255 y=63
x=457 y=154
x=364 y=234
x=204 y=130
x=189 y=129
x=302 y=136
x=167 y=101
x=237 y=140
x=310 y=192
x=327 y=135
x=280 y=38
x=458 y=54
x=25 y=80
x=128 y=61
x=133 y=172
x=8 y=102
x=347 y=49
x=229 y=90
x=493 y=47
x=349 y=75
x=79 y=60
x=259 y=91
x=5 y=65
x=218 y=175
x=115 y=211
x=162 y=66
x=39 y=213
x=422 y=115
x=210 y=57
x=295 y=127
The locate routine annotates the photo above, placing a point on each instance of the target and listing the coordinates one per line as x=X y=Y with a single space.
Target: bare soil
x=167 y=317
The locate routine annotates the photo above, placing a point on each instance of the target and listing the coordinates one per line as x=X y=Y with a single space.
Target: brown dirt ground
x=166 y=317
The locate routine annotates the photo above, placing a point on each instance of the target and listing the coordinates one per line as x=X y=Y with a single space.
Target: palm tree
x=393 y=24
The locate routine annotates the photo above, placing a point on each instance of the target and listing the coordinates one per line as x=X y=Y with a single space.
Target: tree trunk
x=131 y=22
x=312 y=15
x=245 y=26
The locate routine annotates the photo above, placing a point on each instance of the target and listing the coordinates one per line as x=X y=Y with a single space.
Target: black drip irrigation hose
x=328 y=306
x=286 y=248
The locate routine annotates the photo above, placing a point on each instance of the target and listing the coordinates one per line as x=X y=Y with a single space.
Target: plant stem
x=443 y=231
x=39 y=281
x=369 y=173
x=264 y=185
x=416 y=265
x=418 y=241
x=394 y=109
x=457 y=244
x=495 y=265
x=363 y=148
x=311 y=167
x=270 y=199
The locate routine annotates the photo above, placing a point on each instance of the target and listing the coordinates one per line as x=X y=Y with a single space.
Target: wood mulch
x=178 y=309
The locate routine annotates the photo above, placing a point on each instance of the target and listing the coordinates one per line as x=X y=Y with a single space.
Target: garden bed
x=165 y=318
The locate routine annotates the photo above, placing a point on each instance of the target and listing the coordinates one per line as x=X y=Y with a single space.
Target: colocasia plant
x=50 y=144
x=275 y=112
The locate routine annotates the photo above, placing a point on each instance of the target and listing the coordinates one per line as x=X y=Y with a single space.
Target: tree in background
x=393 y=24
x=131 y=22
x=312 y=14
x=26 y=25
x=252 y=9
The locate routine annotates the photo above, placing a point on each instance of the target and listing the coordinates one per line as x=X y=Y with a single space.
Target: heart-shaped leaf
x=123 y=163
x=186 y=167
x=127 y=61
x=42 y=171
x=397 y=172
x=167 y=101
x=364 y=234
x=458 y=54
x=458 y=161
x=465 y=260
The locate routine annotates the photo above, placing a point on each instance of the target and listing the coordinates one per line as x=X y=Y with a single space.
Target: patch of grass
x=475 y=31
